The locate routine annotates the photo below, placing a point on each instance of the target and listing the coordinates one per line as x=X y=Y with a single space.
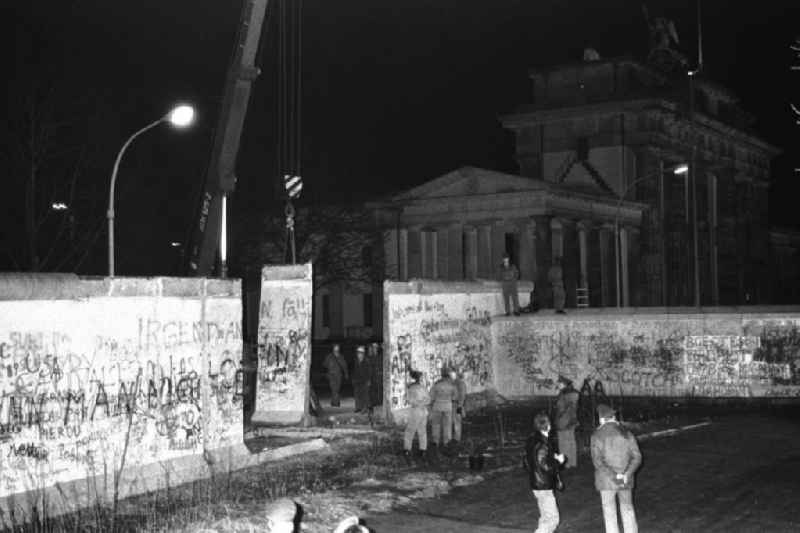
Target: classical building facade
x=651 y=188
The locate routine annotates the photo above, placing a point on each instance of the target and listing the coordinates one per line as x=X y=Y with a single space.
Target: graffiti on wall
x=72 y=386
x=284 y=343
x=645 y=358
x=429 y=332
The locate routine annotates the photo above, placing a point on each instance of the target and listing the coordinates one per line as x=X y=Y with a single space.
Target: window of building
x=326 y=310
x=367 y=307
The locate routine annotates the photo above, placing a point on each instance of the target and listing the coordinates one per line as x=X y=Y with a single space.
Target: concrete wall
x=428 y=324
x=96 y=370
x=720 y=353
x=284 y=344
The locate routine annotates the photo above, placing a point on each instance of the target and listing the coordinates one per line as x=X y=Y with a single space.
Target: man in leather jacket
x=542 y=464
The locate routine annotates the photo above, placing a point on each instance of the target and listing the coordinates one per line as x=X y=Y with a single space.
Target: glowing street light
x=181 y=116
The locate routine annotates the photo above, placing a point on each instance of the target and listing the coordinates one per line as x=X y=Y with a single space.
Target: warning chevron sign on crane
x=293 y=186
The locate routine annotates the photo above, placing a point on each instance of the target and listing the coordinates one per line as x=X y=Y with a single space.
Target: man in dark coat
x=362 y=376
x=336 y=367
x=616 y=458
x=508 y=275
x=376 y=383
x=542 y=464
x=566 y=418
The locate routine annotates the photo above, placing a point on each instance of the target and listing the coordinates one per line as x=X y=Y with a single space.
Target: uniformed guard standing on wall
x=336 y=367
x=508 y=275
x=417 y=424
x=443 y=394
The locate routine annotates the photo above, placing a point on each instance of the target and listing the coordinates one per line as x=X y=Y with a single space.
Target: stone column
x=471 y=253
x=402 y=267
x=485 y=251
x=636 y=284
x=595 y=267
x=583 y=249
x=498 y=244
x=608 y=271
x=414 y=253
x=455 y=252
x=391 y=254
x=570 y=261
x=624 y=271
x=527 y=267
x=543 y=259
x=442 y=253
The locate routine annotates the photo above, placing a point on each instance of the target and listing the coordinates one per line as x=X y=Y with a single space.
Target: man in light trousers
x=458 y=405
x=417 y=424
x=616 y=457
x=443 y=394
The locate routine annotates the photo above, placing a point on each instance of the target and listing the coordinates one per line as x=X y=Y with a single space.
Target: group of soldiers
x=443 y=405
x=366 y=376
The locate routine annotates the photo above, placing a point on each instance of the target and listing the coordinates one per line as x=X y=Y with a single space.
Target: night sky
x=394 y=94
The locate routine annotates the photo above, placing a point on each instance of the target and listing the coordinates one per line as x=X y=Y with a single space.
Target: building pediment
x=471 y=181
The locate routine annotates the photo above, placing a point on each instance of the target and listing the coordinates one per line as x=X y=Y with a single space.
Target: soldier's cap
x=415 y=374
x=565 y=380
x=360 y=349
x=348 y=523
x=605 y=411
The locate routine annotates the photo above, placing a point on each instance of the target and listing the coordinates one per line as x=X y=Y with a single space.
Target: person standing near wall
x=616 y=457
x=417 y=424
x=458 y=404
x=362 y=376
x=543 y=464
x=508 y=275
x=336 y=367
x=566 y=416
x=443 y=395
x=376 y=383
x=556 y=278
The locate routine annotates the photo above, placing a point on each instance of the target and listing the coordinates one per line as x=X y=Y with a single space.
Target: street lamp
x=181 y=116
x=678 y=170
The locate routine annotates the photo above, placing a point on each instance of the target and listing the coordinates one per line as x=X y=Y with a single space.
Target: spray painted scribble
x=284 y=342
x=77 y=376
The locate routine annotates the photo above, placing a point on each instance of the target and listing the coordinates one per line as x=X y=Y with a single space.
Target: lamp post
x=679 y=169
x=180 y=116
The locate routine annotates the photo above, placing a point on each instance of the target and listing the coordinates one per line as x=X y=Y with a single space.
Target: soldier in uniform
x=337 y=371
x=418 y=400
x=556 y=278
x=567 y=421
x=458 y=404
x=443 y=395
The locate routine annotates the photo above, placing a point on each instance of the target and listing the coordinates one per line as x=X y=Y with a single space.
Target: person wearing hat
x=543 y=464
x=417 y=424
x=362 y=376
x=508 y=274
x=566 y=415
x=443 y=395
x=616 y=457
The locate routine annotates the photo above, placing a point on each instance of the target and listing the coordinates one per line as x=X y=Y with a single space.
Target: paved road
x=740 y=474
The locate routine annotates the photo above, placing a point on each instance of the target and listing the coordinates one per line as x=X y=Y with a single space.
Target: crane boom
x=221 y=175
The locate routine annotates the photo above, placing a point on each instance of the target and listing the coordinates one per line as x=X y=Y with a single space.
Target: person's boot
x=407 y=457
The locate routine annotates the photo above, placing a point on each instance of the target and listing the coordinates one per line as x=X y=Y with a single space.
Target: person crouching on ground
x=417 y=424
x=362 y=376
x=543 y=464
x=443 y=394
x=616 y=457
x=508 y=274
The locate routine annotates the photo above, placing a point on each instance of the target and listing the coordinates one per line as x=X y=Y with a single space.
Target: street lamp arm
x=119 y=158
x=110 y=213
